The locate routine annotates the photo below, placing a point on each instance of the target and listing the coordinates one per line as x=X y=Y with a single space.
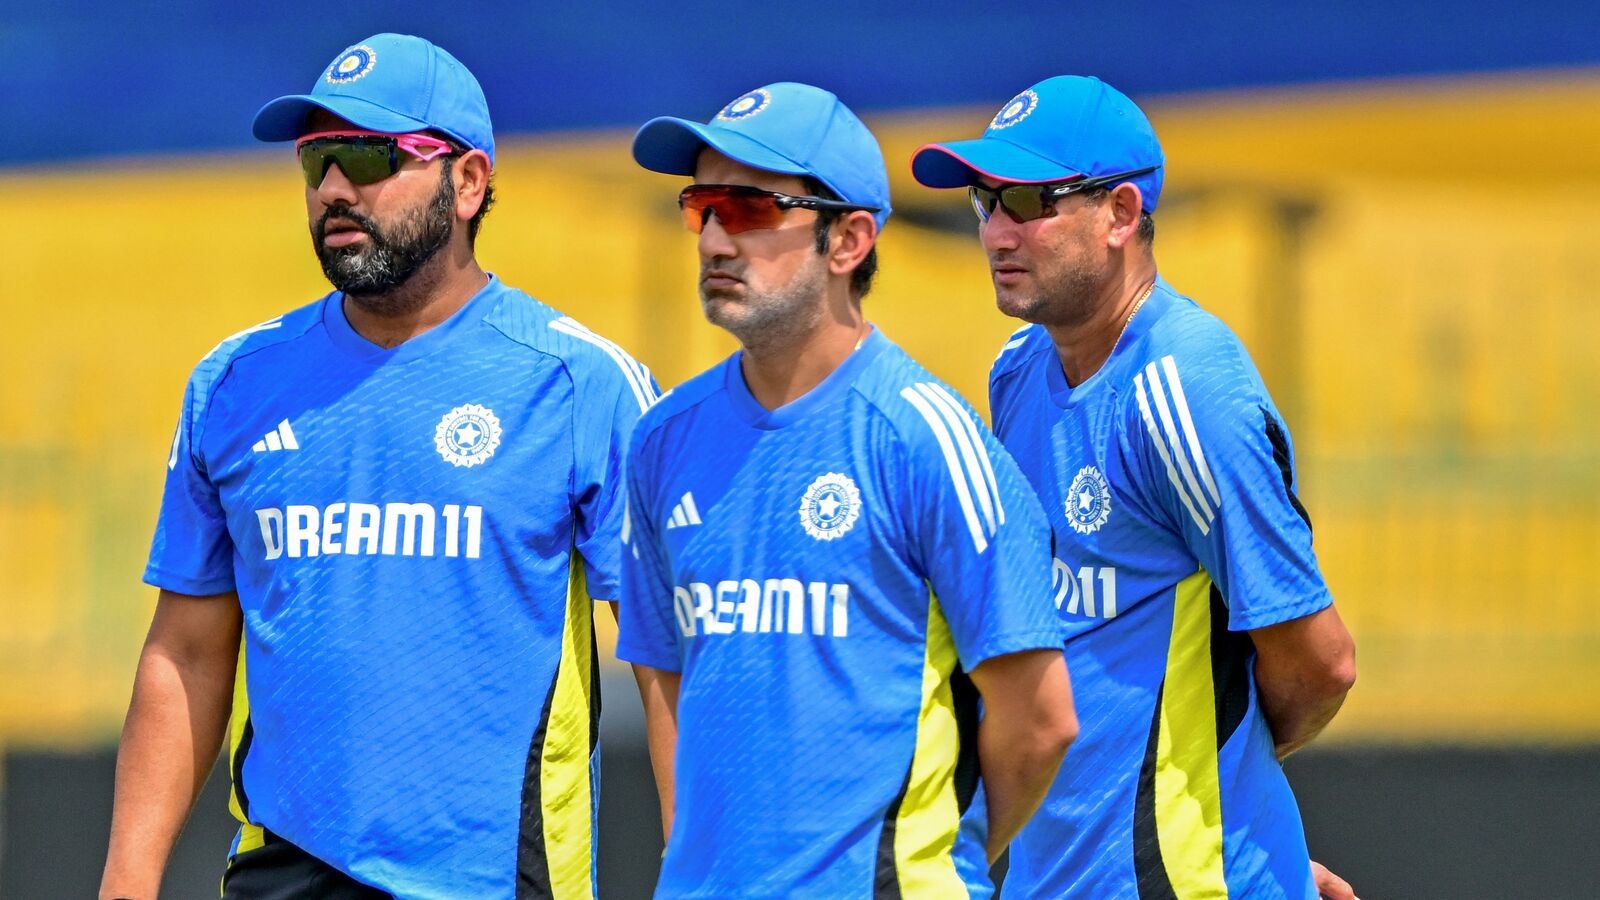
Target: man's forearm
x=1296 y=718
x=169 y=745
x=658 y=691
x=1018 y=766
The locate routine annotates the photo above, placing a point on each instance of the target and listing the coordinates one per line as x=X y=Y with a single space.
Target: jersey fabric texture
x=1167 y=477
x=822 y=575
x=413 y=534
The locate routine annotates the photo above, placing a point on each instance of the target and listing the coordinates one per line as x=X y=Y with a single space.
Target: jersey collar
x=746 y=407
x=348 y=340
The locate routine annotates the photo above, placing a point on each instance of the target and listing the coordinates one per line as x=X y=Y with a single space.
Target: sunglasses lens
x=363 y=162
x=983 y=201
x=736 y=211
x=1024 y=202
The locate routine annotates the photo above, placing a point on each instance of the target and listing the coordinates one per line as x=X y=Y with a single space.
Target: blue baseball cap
x=393 y=83
x=788 y=128
x=1058 y=129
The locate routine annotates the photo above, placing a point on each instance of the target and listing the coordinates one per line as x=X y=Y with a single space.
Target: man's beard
x=389 y=257
x=1065 y=297
x=771 y=319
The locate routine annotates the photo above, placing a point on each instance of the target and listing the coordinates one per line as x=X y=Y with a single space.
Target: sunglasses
x=1026 y=202
x=740 y=208
x=364 y=157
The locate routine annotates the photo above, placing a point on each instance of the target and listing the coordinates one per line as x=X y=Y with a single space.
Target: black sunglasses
x=742 y=208
x=1026 y=202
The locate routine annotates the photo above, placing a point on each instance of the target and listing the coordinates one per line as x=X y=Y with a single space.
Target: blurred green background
x=1399 y=221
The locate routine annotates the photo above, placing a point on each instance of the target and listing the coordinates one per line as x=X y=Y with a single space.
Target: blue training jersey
x=1168 y=479
x=413 y=535
x=822 y=575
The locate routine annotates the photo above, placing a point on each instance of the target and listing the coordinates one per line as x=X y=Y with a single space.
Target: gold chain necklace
x=1138 y=305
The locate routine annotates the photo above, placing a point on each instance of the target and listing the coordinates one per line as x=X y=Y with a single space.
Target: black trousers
x=281 y=871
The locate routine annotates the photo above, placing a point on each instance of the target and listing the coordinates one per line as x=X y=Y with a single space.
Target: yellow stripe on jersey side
x=1188 y=794
x=238 y=722
x=930 y=815
x=565 y=795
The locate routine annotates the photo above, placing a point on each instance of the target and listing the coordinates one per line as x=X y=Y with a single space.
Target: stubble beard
x=388 y=274
x=774 y=318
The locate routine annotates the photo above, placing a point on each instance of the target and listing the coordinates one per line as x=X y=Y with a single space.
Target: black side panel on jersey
x=964 y=696
x=533 y=859
x=1151 y=871
x=1230 y=669
x=886 y=876
x=1280 y=455
x=246 y=737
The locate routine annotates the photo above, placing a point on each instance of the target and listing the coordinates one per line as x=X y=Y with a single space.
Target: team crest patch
x=1088 y=501
x=352 y=64
x=467 y=435
x=830 y=506
x=1020 y=107
x=746 y=106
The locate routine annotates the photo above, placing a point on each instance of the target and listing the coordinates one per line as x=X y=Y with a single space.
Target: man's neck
x=440 y=288
x=781 y=372
x=1085 y=346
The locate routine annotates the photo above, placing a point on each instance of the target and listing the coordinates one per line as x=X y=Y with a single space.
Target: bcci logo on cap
x=1088 y=501
x=746 y=106
x=352 y=64
x=830 y=506
x=467 y=435
x=1020 y=107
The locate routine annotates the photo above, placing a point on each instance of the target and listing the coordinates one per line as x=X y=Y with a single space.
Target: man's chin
x=1017 y=306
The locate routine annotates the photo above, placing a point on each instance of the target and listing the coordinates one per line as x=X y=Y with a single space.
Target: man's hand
x=1330 y=885
x=1028 y=723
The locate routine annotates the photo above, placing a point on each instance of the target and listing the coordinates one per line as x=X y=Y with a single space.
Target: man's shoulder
x=924 y=411
x=585 y=353
x=680 y=400
x=277 y=331
x=1021 y=348
x=1193 y=356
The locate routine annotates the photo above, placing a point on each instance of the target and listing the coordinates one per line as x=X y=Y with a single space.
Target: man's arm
x=1028 y=723
x=182 y=693
x=1304 y=668
x=658 y=689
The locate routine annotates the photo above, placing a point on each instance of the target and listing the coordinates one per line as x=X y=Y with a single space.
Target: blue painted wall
x=80 y=78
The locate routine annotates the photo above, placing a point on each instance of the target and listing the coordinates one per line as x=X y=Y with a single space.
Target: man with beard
x=830 y=558
x=1201 y=634
x=390 y=507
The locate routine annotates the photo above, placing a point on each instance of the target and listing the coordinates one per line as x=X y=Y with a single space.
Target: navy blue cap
x=1058 y=129
x=788 y=128
x=393 y=83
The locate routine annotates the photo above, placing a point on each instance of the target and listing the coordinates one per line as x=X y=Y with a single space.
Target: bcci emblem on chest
x=1088 y=501
x=467 y=435
x=830 y=506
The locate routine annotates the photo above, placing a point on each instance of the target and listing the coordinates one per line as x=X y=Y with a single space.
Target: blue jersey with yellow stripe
x=822 y=575
x=1167 y=477
x=413 y=534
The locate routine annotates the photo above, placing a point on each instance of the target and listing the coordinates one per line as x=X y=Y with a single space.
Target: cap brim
x=672 y=146
x=961 y=163
x=284 y=119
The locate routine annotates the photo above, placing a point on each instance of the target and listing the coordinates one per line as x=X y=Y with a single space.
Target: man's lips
x=1007 y=272
x=718 y=278
x=342 y=233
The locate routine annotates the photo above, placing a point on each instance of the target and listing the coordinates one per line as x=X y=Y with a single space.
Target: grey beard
x=369 y=273
x=775 y=319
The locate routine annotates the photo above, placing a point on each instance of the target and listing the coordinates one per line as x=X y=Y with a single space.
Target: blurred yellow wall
x=1410 y=265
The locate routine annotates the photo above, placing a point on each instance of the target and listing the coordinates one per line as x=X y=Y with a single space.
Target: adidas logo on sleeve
x=280 y=438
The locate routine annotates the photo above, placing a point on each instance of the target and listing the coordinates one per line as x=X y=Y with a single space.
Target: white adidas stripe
x=1166 y=459
x=689 y=509
x=1016 y=340
x=638 y=377
x=1159 y=399
x=286 y=434
x=1171 y=367
x=958 y=475
x=268 y=325
x=280 y=438
x=973 y=453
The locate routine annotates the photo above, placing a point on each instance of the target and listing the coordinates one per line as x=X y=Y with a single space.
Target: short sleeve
x=1220 y=464
x=647 y=627
x=608 y=399
x=192 y=552
x=979 y=535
